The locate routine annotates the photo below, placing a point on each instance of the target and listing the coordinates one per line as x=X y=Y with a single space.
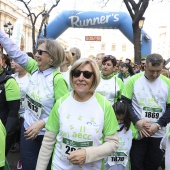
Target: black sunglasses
x=109 y=56
x=86 y=74
x=73 y=54
x=41 y=51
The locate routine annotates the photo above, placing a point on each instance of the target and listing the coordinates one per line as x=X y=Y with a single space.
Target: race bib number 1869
x=151 y=114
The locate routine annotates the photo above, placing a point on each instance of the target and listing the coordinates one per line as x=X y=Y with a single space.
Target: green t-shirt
x=12 y=90
x=78 y=125
x=2 y=144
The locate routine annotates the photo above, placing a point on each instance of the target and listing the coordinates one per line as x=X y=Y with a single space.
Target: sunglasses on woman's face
x=73 y=54
x=86 y=74
x=41 y=51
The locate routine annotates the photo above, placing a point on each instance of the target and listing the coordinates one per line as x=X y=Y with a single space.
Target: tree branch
x=141 y=11
x=129 y=8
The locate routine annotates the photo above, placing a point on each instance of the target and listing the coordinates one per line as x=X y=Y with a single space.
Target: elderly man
x=148 y=98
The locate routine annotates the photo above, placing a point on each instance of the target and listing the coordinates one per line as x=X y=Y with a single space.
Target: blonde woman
x=82 y=127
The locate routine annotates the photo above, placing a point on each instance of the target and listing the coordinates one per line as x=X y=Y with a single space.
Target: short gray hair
x=95 y=68
x=155 y=59
x=55 y=50
x=78 y=52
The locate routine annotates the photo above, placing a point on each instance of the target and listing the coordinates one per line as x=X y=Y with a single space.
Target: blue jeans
x=29 y=151
x=145 y=154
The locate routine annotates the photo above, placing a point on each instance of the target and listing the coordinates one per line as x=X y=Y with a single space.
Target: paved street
x=13 y=159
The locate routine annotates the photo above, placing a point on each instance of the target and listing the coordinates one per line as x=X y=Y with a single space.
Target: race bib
x=151 y=114
x=69 y=145
x=33 y=105
x=118 y=158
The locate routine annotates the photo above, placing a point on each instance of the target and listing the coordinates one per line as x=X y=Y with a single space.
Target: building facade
x=112 y=41
x=10 y=12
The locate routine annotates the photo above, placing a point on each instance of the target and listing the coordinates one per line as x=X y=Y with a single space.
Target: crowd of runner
x=64 y=111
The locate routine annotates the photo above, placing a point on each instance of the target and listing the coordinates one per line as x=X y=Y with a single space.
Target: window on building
x=113 y=47
x=92 y=46
x=124 y=48
x=103 y=46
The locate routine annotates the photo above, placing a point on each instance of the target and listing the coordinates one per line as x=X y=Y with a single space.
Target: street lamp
x=45 y=16
x=8 y=28
x=141 y=22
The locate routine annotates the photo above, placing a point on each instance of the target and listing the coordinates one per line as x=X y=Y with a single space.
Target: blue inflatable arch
x=95 y=19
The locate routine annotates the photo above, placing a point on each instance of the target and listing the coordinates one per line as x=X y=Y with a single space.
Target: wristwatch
x=159 y=127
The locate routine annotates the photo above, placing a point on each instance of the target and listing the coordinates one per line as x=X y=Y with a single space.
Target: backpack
x=3 y=106
x=4 y=77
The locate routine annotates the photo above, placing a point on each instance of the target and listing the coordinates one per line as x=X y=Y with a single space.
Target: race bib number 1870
x=118 y=158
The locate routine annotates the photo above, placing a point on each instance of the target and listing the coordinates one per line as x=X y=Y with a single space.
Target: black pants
x=18 y=133
x=1 y=168
x=145 y=154
x=29 y=150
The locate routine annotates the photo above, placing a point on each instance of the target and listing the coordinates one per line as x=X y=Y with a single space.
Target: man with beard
x=142 y=65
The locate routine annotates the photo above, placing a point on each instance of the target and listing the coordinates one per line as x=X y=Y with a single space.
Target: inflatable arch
x=94 y=19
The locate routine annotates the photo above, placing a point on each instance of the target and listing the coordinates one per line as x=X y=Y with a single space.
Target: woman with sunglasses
x=76 y=54
x=126 y=71
x=82 y=127
x=46 y=85
x=110 y=85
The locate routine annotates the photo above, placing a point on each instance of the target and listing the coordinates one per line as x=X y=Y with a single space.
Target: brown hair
x=165 y=72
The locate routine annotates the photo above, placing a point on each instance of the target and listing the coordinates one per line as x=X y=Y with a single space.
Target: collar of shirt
x=47 y=71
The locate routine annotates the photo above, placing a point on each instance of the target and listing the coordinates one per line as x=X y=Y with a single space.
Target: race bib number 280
x=69 y=145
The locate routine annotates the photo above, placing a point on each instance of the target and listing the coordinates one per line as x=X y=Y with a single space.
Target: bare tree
x=136 y=11
x=33 y=18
